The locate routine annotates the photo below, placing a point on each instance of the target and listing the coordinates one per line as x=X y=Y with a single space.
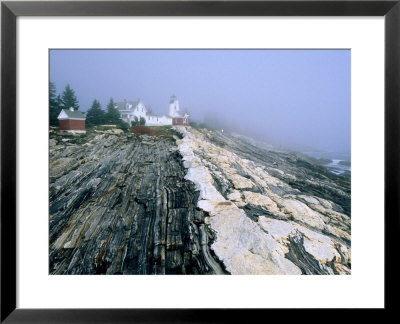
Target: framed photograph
x=163 y=159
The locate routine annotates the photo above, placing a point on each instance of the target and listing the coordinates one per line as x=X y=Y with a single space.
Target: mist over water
x=336 y=162
x=298 y=99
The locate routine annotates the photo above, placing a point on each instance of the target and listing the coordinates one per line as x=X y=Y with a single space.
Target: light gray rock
x=294 y=220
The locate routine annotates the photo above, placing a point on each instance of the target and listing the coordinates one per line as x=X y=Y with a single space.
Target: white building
x=174 y=107
x=131 y=109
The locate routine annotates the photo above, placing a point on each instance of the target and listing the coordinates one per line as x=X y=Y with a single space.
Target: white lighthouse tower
x=174 y=107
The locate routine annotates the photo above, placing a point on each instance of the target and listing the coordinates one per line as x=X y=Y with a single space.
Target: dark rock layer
x=119 y=204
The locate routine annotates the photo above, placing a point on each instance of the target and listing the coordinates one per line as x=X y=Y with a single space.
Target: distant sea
x=335 y=167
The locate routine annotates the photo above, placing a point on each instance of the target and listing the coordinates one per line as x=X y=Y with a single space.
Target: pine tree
x=52 y=94
x=135 y=121
x=112 y=115
x=69 y=99
x=59 y=101
x=54 y=105
x=95 y=115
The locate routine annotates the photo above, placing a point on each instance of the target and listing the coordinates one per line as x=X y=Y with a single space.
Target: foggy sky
x=297 y=98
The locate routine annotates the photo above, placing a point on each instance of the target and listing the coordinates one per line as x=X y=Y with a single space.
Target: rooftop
x=74 y=113
x=122 y=105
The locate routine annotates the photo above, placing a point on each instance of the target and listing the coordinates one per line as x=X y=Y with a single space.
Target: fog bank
x=294 y=98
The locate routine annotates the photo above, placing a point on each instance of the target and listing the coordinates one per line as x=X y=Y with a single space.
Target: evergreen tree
x=69 y=99
x=54 y=105
x=52 y=94
x=112 y=115
x=124 y=126
x=95 y=115
x=135 y=121
x=59 y=101
x=142 y=121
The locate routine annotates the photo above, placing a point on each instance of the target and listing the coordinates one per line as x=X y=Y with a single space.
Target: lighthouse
x=174 y=107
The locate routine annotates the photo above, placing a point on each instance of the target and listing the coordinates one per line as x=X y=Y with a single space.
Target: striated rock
x=193 y=201
x=290 y=220
x=119 y=204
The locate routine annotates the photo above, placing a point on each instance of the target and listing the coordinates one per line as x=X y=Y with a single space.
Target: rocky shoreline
x=119 y=204
x=273 y=212
x=192 y=201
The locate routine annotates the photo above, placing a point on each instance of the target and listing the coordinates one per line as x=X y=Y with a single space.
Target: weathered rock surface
x=272 y=212
x=119 y=204
x=198 y=202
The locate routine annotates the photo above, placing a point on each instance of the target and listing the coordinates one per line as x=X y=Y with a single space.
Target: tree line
x=95 y=114
x=58 y=102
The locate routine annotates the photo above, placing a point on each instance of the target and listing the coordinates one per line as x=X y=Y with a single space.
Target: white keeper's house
x=131 y=109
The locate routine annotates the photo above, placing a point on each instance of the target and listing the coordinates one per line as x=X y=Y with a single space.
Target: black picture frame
x=10 y=10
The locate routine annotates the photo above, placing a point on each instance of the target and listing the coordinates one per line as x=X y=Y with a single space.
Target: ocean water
x=336 y=157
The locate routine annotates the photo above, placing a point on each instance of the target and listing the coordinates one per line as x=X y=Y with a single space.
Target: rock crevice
x=264 y=224
x=196 y=202
x=119 y=204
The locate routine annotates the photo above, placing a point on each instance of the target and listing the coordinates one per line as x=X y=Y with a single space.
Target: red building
x=72 y=121
x=181 y=121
